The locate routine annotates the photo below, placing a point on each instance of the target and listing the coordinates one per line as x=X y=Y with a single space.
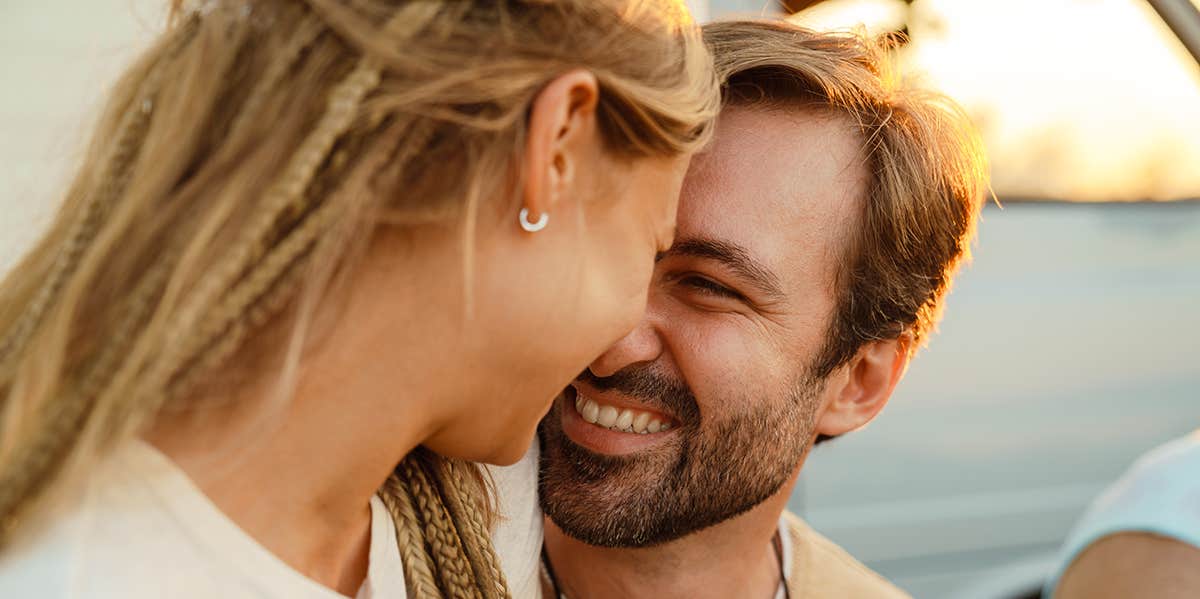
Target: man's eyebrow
x=734 y=256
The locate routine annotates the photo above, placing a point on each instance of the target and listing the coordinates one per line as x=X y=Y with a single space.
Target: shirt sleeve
x=1160 y=495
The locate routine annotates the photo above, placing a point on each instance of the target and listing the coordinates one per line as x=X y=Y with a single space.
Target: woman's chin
x=511 y=454
x=514 y=446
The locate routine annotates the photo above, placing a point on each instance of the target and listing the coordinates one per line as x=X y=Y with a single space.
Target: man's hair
x=927 y=175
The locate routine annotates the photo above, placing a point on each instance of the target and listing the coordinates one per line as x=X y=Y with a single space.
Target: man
x=816 y=241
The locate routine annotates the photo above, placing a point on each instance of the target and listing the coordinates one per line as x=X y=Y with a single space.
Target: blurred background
x=1069 y=345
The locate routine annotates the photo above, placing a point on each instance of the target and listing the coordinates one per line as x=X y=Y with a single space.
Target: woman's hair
x=239 y=166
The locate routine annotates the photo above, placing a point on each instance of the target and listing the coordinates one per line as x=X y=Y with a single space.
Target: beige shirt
x=815 y=568
x=819 y=569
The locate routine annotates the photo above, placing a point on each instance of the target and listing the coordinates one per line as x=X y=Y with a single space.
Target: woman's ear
x=562 y=130
x=865 y=385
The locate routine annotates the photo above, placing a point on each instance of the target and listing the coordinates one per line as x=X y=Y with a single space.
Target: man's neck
x=736 y=558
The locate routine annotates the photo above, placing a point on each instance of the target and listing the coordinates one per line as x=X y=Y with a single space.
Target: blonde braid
x=445 y=546
x=235 y=306
x=266 y=290
x=271 y=299
x=129 y=134
x=44 y=456
x=49 y=444
x=249 y=304
x=441 y=530
x=240 y=311
x=306 y=33
x=418 y=576
x=141 y=301
x=288 y=196
x=477 y=540
x=277 y=275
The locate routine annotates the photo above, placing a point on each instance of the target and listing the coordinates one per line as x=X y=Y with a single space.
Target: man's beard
x=712 y=470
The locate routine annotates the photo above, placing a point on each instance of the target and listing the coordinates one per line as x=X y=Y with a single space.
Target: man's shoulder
x=822 y=569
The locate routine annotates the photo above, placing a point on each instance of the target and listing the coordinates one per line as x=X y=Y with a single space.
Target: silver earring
x=533 y=227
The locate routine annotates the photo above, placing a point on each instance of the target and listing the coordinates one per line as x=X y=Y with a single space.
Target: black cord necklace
x=548 y=570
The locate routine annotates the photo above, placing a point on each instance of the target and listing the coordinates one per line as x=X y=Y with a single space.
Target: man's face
x=738 y=311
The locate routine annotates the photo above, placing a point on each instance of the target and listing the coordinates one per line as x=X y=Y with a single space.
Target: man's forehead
x=784 y=185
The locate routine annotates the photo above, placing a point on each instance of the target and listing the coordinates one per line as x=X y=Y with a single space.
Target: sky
x=1077 y=99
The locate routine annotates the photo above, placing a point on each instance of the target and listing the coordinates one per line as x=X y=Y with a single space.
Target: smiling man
x=816 y=241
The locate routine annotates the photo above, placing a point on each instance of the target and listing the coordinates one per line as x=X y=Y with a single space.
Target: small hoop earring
x=533 y=227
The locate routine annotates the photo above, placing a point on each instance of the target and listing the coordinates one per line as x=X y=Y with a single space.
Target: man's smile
x=607 y=423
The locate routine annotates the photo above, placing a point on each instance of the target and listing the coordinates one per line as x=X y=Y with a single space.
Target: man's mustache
x=651 y=388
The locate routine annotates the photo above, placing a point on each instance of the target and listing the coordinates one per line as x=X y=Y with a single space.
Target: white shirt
x=142 y=529
x=785 y=556
x=518 y=536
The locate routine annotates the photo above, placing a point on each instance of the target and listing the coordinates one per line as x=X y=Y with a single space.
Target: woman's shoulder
x=80 y=549
x=109 y=537
x=38 y=562
x=72 y=560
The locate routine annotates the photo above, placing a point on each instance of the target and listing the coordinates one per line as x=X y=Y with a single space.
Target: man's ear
x=864 y=385
x=562 y=126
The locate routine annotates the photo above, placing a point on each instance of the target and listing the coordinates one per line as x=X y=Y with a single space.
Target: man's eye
x=708 y=287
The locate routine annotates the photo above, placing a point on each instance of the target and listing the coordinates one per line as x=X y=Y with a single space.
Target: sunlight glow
x=875 y=16
x=1077 y=99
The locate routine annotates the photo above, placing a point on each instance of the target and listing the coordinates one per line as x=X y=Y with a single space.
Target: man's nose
x=642 y=344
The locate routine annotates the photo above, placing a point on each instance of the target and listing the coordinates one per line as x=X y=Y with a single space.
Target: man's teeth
x=628 y=421
x=608 y=417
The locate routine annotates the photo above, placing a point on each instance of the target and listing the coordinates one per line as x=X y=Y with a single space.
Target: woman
x=322 y=255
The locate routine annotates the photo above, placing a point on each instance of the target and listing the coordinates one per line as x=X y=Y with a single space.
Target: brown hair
x=927 y=175
x=238 y=167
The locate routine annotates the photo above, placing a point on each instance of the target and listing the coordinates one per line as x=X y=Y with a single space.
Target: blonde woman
x=322 y=255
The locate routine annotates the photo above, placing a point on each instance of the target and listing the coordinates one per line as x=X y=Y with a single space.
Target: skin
x=1131 y=565
x=405 y=360
x=785 y=186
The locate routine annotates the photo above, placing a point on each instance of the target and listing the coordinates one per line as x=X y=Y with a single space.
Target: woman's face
x=547 y=303
x=467 y=344
x=484 y=325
